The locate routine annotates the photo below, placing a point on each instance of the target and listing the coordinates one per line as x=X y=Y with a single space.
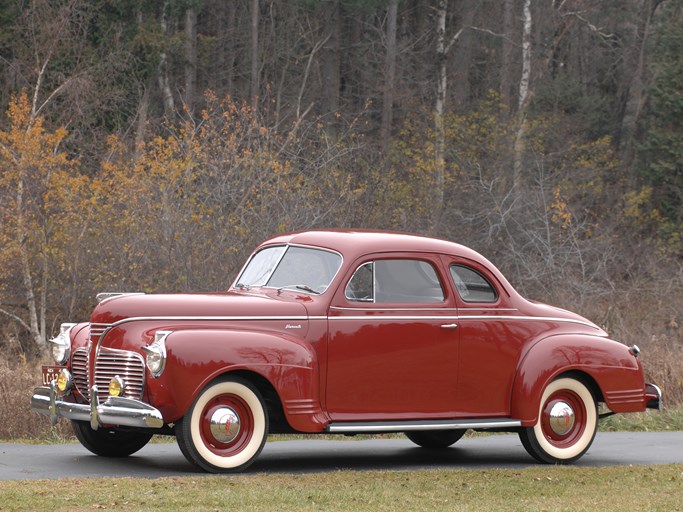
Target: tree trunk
x=462 y=60
x=636 y=94
x=162 y=77
x=255 y=86
x=190 y=57
x=507 y=52
x=439 y=108
x=143 y=112
x=27 y=280
x=523 y=102
x=330 y=60
x=390 y=75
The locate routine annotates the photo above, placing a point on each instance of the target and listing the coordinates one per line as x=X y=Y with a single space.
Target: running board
x=403 y=426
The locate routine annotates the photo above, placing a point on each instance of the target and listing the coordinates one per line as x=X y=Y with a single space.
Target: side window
x=471 y=285
x=395 y=281
x=360 y=287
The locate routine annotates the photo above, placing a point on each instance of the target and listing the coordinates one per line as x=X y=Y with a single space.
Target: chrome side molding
x=403 y=426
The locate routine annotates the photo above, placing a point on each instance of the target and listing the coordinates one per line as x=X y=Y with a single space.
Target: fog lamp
x=116 y=386
x=64 y=381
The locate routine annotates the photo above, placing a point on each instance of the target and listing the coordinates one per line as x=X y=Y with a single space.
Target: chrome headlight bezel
x=155 y=352
x=61 y=344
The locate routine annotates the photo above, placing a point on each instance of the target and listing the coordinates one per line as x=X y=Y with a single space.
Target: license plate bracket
x=50 y=373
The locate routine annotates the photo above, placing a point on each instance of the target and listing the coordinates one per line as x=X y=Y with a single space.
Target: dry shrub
x=650 y=317
x=663 y=363
x=17 y=421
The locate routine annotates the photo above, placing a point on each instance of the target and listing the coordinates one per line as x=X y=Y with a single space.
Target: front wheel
x=435 y=439
x=225 y=428
x=108 y=442
x=567 y=423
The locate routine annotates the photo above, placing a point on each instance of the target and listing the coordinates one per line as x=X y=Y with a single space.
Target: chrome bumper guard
x=653 y=397
x=116 y=411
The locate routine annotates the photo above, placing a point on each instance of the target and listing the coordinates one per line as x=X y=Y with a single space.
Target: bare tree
x=163 y=72
x=636 y=94
x=523 y=101
x=443 y=47
x=506 y=54
x=190 y=56
x=330 y=58
x=390 y=74
x=255 y=65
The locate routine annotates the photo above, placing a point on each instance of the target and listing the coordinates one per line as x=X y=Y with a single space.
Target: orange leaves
x=37 y=179
x=559 y=210
x=42 y=198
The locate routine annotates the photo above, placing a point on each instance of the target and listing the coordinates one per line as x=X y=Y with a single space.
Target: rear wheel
x=225 y=428
x=567 y=423
x=435 y=439
x=109 y=442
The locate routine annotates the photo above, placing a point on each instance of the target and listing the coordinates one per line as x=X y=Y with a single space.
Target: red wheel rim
x=241 y=434
x=563 y=418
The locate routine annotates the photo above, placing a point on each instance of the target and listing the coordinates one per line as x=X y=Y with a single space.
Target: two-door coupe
x=339 y=332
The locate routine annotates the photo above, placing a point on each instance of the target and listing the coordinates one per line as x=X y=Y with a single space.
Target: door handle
x=449 y=326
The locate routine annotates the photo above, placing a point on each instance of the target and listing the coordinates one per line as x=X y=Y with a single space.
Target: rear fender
x=195 y=357
x=616 y=374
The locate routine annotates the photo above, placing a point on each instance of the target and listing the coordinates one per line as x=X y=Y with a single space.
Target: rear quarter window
x=472 y=286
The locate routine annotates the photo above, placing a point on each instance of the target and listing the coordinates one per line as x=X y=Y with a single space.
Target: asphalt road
x=31 y=462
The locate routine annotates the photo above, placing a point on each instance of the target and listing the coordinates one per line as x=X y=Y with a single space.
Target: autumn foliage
x=181 y=210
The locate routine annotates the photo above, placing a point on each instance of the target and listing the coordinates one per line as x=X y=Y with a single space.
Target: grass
x=546 y=488
x=538 y=488
x=650 y=421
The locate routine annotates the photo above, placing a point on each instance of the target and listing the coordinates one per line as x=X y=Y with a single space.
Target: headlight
x=61 y=344
x=156 y=353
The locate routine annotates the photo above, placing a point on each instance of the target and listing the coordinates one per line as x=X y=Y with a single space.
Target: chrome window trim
x=346 y=288
x=287 y=246
x=453 y=275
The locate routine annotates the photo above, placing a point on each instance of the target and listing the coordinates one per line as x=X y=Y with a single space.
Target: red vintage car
x=340 y=332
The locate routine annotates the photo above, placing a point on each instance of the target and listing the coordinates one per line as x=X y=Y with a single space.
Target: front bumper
x=653 y=397
x=115 y=411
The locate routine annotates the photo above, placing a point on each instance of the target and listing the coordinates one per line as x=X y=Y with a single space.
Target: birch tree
x=443 y=47
x=523 y=101
x=38 y=194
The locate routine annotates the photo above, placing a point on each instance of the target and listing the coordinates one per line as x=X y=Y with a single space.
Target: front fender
x=609 y=364
x=197 y=356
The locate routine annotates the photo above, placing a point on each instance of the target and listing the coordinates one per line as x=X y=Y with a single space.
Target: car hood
x=195 y=305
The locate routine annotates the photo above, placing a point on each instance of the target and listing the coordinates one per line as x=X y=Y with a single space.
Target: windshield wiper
x=303 y=287
x=307 y=288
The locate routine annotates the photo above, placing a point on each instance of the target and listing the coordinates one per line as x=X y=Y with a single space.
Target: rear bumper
x=653 y=397
x=115 y=411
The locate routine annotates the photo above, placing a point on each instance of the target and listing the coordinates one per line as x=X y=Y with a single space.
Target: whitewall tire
x=225 y=428
x=567 y=423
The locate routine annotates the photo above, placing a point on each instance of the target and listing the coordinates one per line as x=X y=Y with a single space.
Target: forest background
x=150 y=145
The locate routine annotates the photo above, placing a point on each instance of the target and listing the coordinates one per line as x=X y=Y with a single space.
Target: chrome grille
x=128 y=365
x=79 y=371
x=96 y=330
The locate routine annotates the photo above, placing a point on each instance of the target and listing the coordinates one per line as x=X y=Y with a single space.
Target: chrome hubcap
x=561 y=418
x=225 y=425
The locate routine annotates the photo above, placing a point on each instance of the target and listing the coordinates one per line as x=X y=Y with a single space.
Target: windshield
x=302 y=268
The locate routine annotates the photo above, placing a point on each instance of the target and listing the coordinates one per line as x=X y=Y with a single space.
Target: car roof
x=354 y=243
